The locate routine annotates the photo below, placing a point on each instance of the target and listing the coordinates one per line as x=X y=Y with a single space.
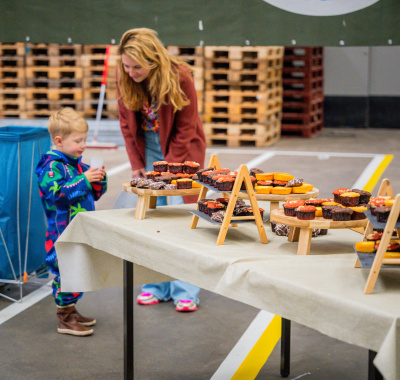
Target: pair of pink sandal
x=150 y=299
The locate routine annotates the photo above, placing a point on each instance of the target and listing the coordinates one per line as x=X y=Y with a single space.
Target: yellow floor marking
x=259 y=354
x=378 y=173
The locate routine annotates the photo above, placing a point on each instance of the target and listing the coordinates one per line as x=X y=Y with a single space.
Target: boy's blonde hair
x=143 y=46
x=65 y=121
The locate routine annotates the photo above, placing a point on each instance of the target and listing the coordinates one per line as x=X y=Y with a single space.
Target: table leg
x=294 y=233
x=304 y=241
x=373 y=373
x=273 y=205
x=128 y=320
x=153 y=202
x=142 y=206
x=285 y=348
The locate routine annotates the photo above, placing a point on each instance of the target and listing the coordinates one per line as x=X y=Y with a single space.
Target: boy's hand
x=94 y=175
x=139 y=173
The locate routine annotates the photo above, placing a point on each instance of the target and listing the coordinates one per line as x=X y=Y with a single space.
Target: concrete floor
x=170 y=345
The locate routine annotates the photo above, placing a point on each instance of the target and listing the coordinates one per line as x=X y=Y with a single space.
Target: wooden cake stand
x=301 y=230
x=274 y=199
x=148 y=198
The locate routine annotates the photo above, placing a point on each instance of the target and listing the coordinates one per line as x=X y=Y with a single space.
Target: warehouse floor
x=171 y=345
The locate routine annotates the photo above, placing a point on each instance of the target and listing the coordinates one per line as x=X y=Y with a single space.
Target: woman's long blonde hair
x=144 y=47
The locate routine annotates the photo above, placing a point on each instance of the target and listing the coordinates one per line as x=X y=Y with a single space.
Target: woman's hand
x=94 y=175
x=139 y=173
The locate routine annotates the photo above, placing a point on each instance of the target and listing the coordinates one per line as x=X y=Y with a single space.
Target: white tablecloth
x=322 y=290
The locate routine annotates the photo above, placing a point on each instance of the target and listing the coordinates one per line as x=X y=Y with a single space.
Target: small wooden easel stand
x=243 y=175
x=385 y=189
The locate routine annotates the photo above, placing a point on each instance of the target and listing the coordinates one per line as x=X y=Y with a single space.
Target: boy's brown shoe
x=68 y=323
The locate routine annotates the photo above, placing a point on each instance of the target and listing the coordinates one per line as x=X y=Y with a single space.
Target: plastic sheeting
x=22 y=219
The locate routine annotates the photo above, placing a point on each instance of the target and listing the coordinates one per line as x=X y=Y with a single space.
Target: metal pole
x=285 y=348
x=128 y=320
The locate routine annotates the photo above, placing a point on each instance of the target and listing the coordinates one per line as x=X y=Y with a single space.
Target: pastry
x=225 y=183
x=224 y=201
x=281 y=229
x=263 y=189
x=253 y=182
x=315 y=202
x=303 y=189
x=169 y=187
x=160 y=166
x=200 y=173
x=265 y=183
x=365 y=246
x=144 y=183
x=305 y=212
x=336 y=194
x=364 y=196
x=151 y=175
x=374 y=236
x=203 y=204
x=295 y=182
x=218 y=216
x=289 y=208
x=255 y=171
x=341 y=214
x=358 y=213
x=264 y=176
x=175 y=167
x=281 y=190
x=283 y=177
x=327 y=211
x=318 y=212
x=214 y=206
x=157 y=185
x=165 y=178
x=190 y=167
x=279 y=183
x=134 y=181
x=350 y=199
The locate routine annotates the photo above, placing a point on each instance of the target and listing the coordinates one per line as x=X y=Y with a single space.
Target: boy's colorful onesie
x=64 y=191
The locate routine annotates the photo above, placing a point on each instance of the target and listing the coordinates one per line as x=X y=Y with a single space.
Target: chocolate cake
x=341 y=214
x=295 y=182
x=157 y=185
x=160 y=166
x=365 y=196
x=382 y=213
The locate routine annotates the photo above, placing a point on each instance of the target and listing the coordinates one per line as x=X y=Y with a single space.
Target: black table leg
x=285 y=348
x=373 y=373
x=128 y=320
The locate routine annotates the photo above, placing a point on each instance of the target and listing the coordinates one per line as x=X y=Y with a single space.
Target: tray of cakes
x=167 y=179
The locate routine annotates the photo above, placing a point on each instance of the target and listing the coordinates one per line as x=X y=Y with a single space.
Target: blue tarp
x=21 y=146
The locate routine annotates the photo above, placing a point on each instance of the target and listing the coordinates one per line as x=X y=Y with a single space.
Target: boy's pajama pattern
x=65 y=191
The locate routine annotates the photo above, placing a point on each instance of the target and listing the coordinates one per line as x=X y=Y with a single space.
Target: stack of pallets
x=93 y=64
x=12 y=80
x=53 y=78
x=194 y=56
x=243 y=95
x=303 y=91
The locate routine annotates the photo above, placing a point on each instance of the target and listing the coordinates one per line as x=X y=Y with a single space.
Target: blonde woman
x=159 y=121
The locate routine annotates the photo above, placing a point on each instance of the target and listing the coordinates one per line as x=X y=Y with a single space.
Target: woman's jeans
x=177 y=290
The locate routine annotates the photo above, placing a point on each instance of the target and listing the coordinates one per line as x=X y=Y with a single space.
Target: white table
x=322 y=290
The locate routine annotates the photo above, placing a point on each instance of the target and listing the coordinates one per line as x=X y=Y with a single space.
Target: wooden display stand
x=385 y=189
x=301 y=230
x=148 y=198
x=243 y=175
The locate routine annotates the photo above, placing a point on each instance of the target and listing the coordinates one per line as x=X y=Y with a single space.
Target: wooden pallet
x=241 y=130
x=243 y=97
x=54 y=93
x=270 y=137
x=52 y=105
x=42 y=113
x=294 y=130
x=12 y=62
x=243 y=86
x=53 y=61
x=246 y=115
x=54 y=83
x=247 y=65
x=243 y=52
x=187 y=51
x=10 y=94
x=54 y=72
x=53 y=50
x=14 y=105
x=108 y=105
x=295 y=84
x=99 y=49
x=97 y=60
x=302 y=73
x=111 y=115
x=94 y=93
x=293 y=107
x=240 y=76
x=12 y=49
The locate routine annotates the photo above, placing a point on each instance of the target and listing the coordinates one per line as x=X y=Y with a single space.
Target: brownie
x=169 y=187
x=134 y=181
x=365 y=196
x=151 y=175
x=218 y=216
x=200 y=173
x=341 y=214
x=157 y=185
x=160 y=166
x=358 y=213
x=314 y=202
x=327 y=211
x=175 y=167
x=350 y=199
x=240 y=203
x=249 y=212
x=337 y=192
x=214 y=207
x=281 y=229
x=165 y=178
x=254 y=171
x=203 y=204
x=225 y=184
x=253 y=182
x=295 y=182
x=144 y=183
x=382 y=213
x=265 y=183
x=323 y=231
x=224 y=201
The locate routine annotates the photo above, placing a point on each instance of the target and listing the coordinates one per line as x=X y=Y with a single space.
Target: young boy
x=67 y=187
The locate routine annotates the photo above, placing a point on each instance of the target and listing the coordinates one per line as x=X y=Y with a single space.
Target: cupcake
x=301 y=202
x=184 y=183
x=165 y=178
x=375 y=202
x=152 y=175
x=315 y=202
x=358 y=213
x=175 y=167
x=203 y=204
x=182 y=175
x=253 y=182
x=289 y=208
x=249 y=212
x=327 y=211
x=364 y=196
x=190 y=167
x=382 y=213
x=337 y=192
x=214 y=207
x=350 y=199
x=200 y=173
x=305 y=212
x=225 y=183
x=160 y=166
x=341 y=214
x=224 y=201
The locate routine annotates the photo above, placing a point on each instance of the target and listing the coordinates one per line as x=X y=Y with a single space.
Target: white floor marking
x=27 y=301
x=245 y=344
x=368 y=171
x=118 y=169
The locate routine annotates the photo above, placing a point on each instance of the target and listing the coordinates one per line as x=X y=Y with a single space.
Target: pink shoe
x=147 y=299
x=186 y=305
